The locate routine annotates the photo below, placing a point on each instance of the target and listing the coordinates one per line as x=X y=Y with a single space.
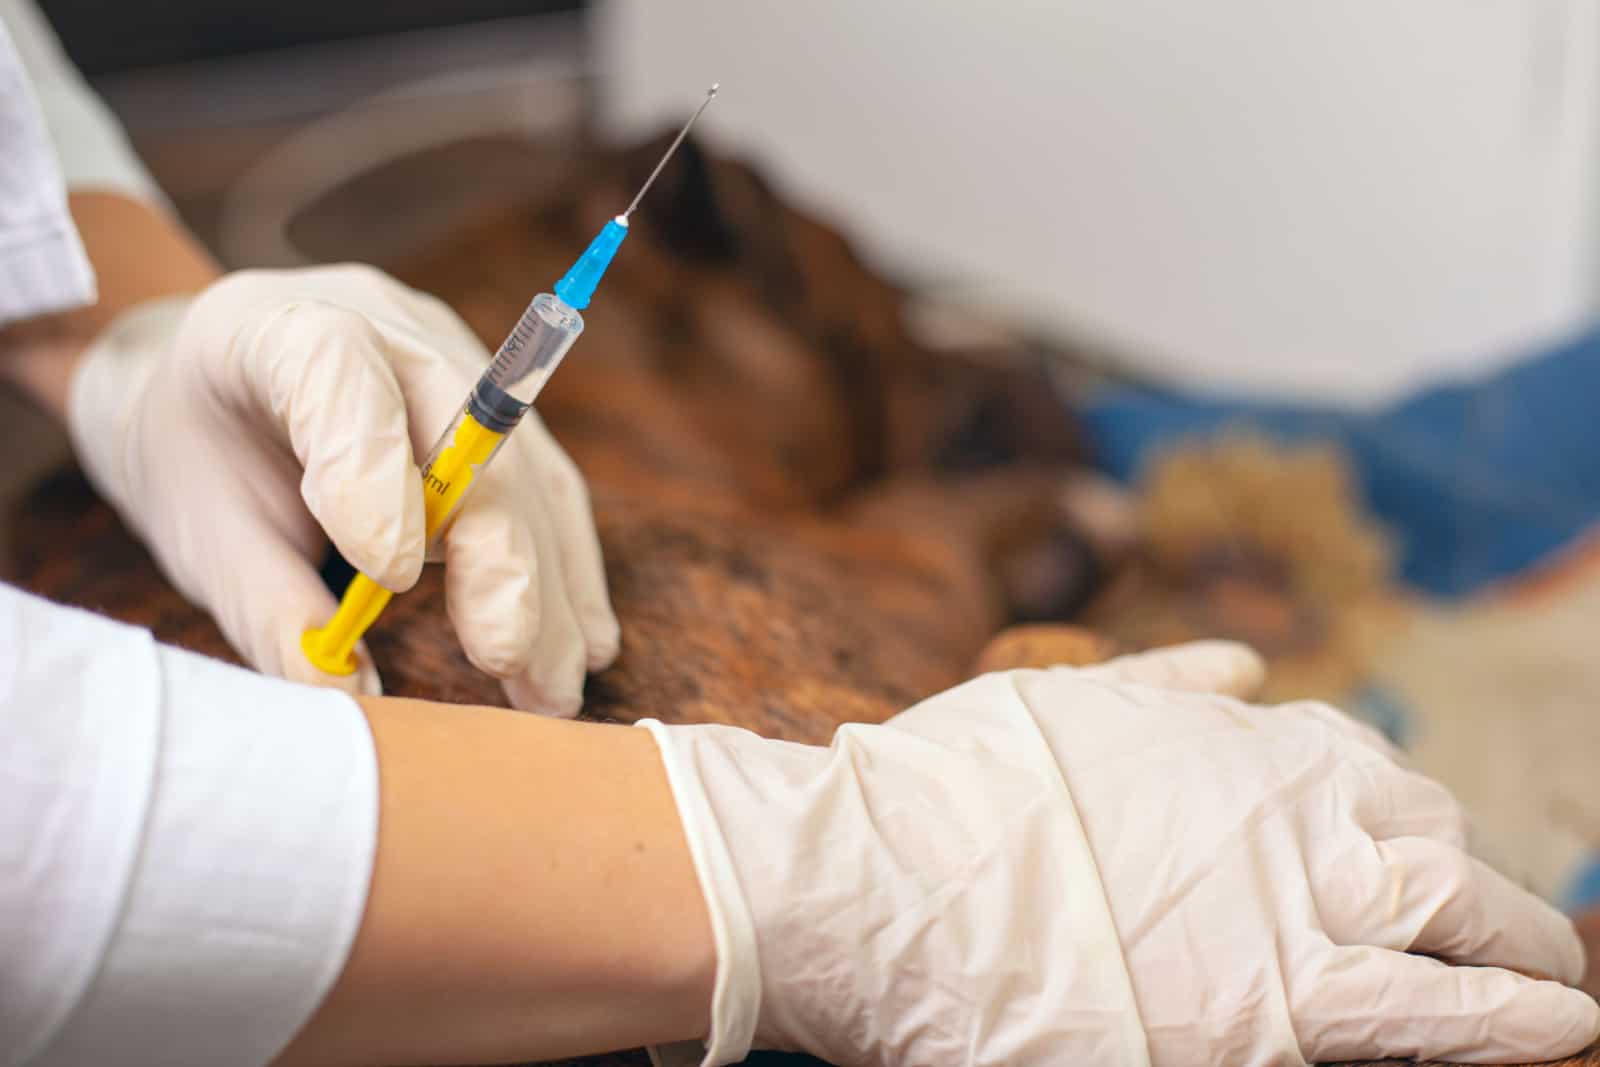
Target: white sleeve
x=43 y=267
x=89 y=141
x=185 y=847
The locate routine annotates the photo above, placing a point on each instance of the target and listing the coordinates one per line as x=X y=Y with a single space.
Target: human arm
x=77 y=172
x=189 y=851
x=140 y=254
x=955 y=886
x=532 y=898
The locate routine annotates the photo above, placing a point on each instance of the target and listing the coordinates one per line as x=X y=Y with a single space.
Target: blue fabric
x=1585 y=890
x=1384 y=711
x=1476 y=481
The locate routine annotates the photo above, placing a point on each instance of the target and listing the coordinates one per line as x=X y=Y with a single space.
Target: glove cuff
x=736 y=996
x=106 y=387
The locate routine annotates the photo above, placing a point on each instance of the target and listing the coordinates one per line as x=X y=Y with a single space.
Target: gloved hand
x=233 y=429
x=1113 y=865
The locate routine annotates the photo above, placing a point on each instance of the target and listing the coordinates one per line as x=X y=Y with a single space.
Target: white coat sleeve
x=185 y=847
x=90 y=144
x=43 y=267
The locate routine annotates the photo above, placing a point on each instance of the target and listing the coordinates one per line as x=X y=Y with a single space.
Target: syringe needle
x=673 y=147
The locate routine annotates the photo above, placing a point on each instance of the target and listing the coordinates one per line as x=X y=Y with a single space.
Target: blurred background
x=1320 y=281
x=1414 y=185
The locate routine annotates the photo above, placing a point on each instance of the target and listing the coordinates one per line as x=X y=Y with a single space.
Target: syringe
x=503 y=395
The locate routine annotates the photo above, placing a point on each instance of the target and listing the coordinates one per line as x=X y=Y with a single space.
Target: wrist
x=735 y=992
x=140 y=255
x=39 y=357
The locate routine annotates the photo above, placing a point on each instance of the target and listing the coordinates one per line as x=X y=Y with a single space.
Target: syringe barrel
x=497 y=403
x=524 y=362
x=460 y=455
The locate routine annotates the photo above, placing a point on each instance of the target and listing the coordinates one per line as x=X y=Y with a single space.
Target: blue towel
x=1476 y=481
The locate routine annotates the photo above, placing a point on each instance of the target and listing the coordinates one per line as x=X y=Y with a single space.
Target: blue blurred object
x=1476 y=481
x=1383 y=711
x=1584 y=892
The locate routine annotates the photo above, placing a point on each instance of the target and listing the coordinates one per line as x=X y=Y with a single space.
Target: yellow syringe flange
x=464 y=449
x=332 y=648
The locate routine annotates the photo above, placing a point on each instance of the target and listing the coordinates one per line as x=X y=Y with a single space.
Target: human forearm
x=533 y=897
x=139 y=253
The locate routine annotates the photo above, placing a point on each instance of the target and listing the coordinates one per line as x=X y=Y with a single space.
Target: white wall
x=1291 y=197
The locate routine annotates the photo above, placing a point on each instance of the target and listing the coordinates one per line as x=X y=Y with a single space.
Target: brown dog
x=807 y=518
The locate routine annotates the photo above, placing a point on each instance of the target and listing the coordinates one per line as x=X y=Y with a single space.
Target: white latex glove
x=1107 y=866
x=233 y=429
